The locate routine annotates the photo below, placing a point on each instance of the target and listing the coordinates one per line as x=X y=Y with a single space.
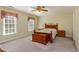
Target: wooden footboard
x=49 y=35
x=40 y=38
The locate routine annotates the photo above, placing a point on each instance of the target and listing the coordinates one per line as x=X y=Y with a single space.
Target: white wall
x=65 y=20
x=76 y=26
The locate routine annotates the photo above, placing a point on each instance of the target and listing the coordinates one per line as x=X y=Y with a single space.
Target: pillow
x=41 y=26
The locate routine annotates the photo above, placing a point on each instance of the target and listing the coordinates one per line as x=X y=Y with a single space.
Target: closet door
x=76 y=26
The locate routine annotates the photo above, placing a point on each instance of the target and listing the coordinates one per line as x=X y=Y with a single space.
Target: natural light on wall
x=60 y=27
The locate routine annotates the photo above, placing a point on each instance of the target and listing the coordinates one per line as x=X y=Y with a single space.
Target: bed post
x=57 y=26
x=51 y=39
x=34 y=30
x=45 y=25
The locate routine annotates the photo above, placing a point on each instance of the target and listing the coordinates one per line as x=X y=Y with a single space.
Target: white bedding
x=47 y=30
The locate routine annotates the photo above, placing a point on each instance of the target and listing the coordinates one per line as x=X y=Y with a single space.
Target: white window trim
x=31 y=22
x=15 y=20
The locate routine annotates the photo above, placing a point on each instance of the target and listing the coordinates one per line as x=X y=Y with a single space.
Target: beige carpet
x=26 y=45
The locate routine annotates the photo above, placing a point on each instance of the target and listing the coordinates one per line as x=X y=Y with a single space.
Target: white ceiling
x=52 y=10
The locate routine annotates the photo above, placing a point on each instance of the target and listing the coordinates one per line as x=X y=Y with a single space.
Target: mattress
x=47 y=30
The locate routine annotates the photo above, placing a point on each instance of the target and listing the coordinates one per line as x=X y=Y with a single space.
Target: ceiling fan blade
x=36 y=10
x=44 y=10
x=40 y=8
x=43 y=6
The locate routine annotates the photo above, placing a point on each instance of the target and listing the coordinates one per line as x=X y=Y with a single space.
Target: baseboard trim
x=11 y=40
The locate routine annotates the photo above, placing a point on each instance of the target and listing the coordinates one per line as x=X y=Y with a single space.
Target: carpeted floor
x=60 y=44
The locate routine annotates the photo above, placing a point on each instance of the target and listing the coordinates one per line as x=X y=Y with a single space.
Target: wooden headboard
x=55 y=26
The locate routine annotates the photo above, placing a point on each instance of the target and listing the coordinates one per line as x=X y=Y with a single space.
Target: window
x=9 y=23
x=30 y=24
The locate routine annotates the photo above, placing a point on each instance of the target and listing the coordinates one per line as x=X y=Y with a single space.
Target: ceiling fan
x=40 y=9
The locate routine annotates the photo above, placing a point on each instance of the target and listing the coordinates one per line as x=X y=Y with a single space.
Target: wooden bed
x=45 y=37
x=54 y=26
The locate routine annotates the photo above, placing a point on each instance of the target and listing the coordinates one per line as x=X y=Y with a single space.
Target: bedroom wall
x=76 y=26
x=21 y=25
x=64 y=21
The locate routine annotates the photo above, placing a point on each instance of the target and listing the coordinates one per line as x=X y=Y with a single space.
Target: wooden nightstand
x=61 y=33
